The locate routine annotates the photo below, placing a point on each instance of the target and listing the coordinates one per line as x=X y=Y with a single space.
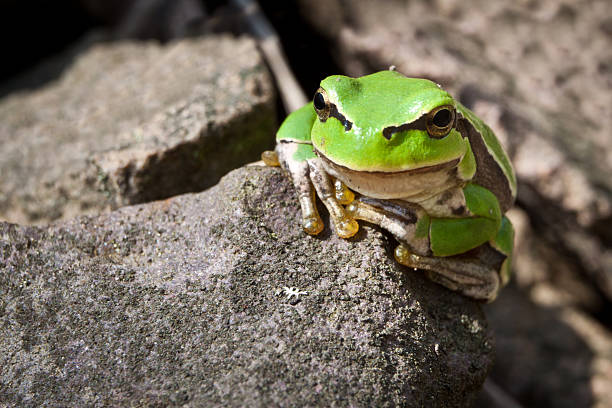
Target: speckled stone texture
x=130 y=122
x=182 y=301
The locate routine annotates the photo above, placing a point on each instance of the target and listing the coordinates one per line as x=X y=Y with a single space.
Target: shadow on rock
x=541 y=360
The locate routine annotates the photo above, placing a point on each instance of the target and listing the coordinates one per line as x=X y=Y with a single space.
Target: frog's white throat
x=413 y=185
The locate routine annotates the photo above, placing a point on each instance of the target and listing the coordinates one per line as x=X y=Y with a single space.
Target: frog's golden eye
x=321 y=104
x=440 y=121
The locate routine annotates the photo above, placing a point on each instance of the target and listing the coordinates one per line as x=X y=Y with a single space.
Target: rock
x=130 y=122
x=186 y=301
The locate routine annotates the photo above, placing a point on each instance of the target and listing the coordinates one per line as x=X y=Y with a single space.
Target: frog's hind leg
x=474 y=274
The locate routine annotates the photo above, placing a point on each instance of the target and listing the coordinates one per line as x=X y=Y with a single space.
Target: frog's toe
x=347 y=227
x=344 y=196
x=352 y=210
x=270 y=158
x=403 y=255
x=312 y=224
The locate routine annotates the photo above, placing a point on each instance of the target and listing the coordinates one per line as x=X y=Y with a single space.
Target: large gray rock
x=183 y=302
x=130 y=122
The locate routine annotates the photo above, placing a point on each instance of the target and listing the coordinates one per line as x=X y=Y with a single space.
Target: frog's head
x=386 y=122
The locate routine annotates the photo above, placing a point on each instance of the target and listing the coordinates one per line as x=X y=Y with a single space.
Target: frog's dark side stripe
x=333 y=113
x=419 y=124
x=488 y=172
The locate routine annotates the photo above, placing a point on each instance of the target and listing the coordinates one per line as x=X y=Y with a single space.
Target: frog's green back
x=297 y=126
x=383 y=99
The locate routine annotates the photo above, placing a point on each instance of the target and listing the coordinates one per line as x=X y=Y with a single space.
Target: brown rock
x=220 y=299
x=130 y=122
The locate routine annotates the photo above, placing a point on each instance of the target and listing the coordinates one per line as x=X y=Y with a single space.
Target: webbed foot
x=474 y=274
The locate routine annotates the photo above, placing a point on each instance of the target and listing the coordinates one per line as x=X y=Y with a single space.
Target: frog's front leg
x=289 y=156
x=295 y=154
x=306 y=170
x=345 y=225
x=408 y=225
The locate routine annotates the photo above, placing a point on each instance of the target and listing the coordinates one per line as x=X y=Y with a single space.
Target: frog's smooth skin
x=403 y=154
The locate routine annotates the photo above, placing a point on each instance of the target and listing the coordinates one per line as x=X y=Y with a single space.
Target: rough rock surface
x=182 y=302
x=130 y=122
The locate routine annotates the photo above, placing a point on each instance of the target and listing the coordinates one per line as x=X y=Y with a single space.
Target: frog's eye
x=321 y=104
x=440 y=121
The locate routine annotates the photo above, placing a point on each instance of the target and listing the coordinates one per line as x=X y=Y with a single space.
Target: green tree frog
x=401 y=153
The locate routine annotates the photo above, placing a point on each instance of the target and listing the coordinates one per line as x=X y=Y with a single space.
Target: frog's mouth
x=419 y=170
x=413 y=184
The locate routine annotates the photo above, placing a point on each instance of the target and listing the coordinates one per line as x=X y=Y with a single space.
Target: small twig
x=291 y=93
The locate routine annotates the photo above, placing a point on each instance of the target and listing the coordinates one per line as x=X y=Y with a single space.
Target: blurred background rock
x=538 y=72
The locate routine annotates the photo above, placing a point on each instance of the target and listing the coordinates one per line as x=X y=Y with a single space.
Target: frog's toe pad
x=344 y=196
x=270 y=158
x=352 y=209
x=347 y=227
x=312 y=225
x=403 y=256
